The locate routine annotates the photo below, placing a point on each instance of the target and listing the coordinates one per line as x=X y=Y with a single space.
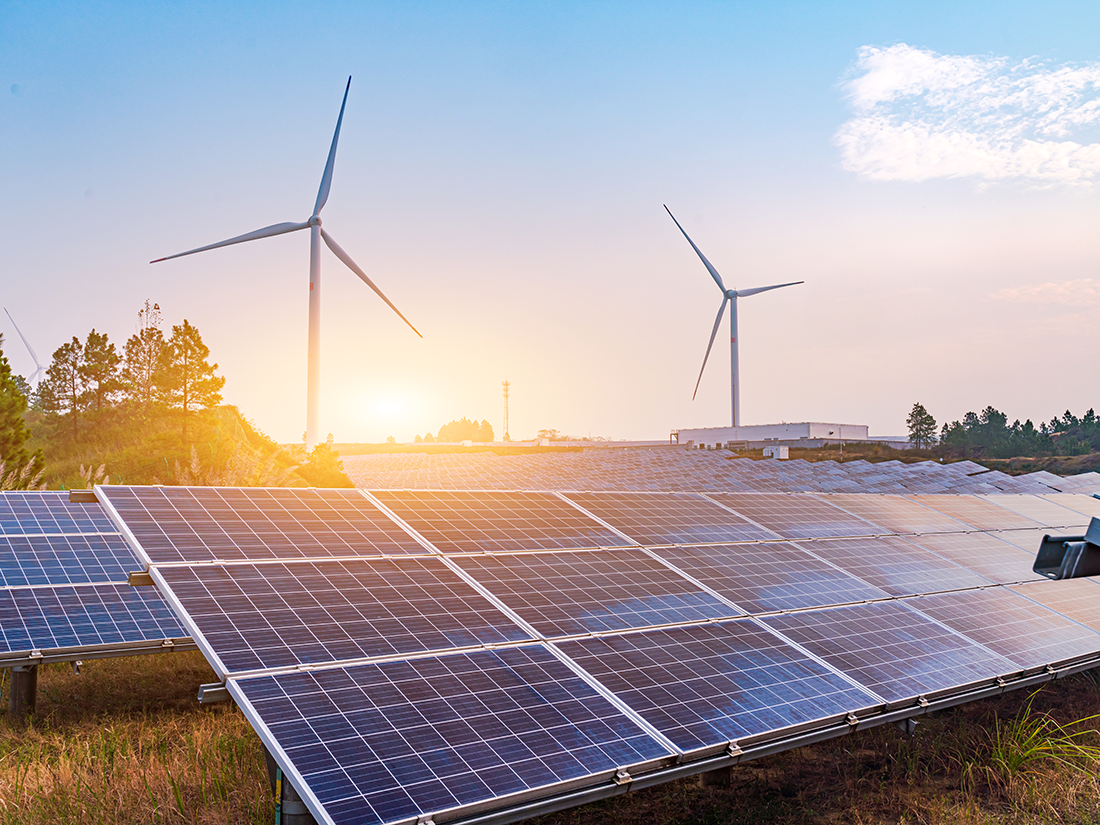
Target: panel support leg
x=289 y=807
x=719 y=778
x=24 y=687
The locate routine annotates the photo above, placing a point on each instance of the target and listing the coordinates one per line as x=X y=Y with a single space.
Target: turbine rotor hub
x=731 y=293
x=315 y=220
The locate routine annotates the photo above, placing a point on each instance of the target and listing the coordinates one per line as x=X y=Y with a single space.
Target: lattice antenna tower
x=505 y=385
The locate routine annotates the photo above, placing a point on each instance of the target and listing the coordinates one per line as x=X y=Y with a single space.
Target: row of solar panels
x=408 y=655
x=674 y=469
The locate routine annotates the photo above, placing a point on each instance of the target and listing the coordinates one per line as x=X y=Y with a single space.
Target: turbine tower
x=40 y=369
x=729 y=296
x=316 y=235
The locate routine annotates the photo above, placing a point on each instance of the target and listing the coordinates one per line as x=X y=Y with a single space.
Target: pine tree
x=13 y=429
x=186 y=380
x=66 y=382
x=99 y=369
x=922 y=427
x=144 y=350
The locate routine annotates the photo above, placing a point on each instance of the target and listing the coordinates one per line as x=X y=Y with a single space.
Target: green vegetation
x=16 y=461
x=462 y=429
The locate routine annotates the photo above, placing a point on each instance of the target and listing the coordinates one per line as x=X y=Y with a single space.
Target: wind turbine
x=41 y=369
x=729 y=296
x=316 y=235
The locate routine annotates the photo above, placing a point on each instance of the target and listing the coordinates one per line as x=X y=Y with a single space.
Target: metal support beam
x=719 y=778
x=24 y=688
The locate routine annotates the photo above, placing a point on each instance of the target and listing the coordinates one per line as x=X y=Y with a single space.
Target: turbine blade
x=710 y=268
x=266 y=232
x=26 y=343
x=713 y=335
x=745 y=293
x=354 y=267
x=326 y=178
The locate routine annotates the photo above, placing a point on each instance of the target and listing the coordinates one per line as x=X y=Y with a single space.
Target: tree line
x=152 y=374
x=989 y=434
x=461 y=429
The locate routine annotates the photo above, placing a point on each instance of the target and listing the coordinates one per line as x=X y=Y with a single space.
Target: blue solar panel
x=64 y=559
x=376 y=743
x=706 y=685
x=50 y=512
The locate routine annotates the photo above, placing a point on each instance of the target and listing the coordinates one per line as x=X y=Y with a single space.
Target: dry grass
x=127 y=742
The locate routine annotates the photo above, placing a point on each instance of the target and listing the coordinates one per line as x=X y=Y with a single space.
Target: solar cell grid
x=895 y=565
x=564 y=594
x=706 y=685
x=978 y=513
x=47 y=618
x=1077 y=599
x=195 y=524
x=892 y=650
x=797 y=516
x=1016 y=628
x=49 y=512
x=1088 y=506
x=1038 y=509
x=669 y=518
x=984 y=553
x=1030 y=540
x=491 y=521
x=768 y=577
x=64 y=559
x=896 y=513
x=381 y=742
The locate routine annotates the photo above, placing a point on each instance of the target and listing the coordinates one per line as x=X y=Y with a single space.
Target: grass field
x=127 y=742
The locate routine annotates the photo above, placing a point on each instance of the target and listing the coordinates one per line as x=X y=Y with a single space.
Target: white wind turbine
x=40 y=369
x=316 y=235
x=729 y=296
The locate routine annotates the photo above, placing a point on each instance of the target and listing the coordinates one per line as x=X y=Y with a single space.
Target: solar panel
x=669 y=518
x=895 y=565
x=1077 y=599
x=62 y=623
x=896 y=513
x=565 y=594
x=761 y=578
x=377 y=743
x=979 y=513
x=1038 y=509
x=271 y=615
x=173 y=524
x=892 y=650
x=491 y=521
x=1088 y=506
x=707 y=685
x=987 y=554
x=44 y=512
x=797 y=516
x=1030 y=540
x=1012 y=626
x=64 y=559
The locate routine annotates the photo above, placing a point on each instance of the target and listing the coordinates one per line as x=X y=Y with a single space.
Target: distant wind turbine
x=41 y=369
x=316 y=234
x=729 y=296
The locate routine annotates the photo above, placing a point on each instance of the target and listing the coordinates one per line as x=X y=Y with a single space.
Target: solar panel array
x=63 y=586
x=440 y=654
x=665 y=469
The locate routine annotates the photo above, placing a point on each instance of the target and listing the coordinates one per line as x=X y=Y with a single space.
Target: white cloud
x=1080 y=293
x=919 y=115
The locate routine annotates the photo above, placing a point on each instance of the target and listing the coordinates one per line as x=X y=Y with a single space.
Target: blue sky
x=500 y=175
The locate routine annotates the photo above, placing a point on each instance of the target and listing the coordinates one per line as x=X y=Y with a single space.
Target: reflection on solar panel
x=896 y=513
x=892 y=650
x=566 y=594
x=979 y=513
x=987 y=554
x=377 y=743
x=769 y=577
x=254 y=616
x=895 y=565
x=1046 y=513
x=50 y=512
x=65 y=623
x=669 y=518
x=797 y=516
x=1077 y=599
x=1022 y=632
x=495 y=521
x=1086 y=505
x=174 y=524
x=704 y=686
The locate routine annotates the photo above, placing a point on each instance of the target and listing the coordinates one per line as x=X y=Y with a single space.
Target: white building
x=803 y=434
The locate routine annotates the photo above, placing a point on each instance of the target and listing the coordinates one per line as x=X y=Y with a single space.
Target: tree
x=14 y=457
x=185 y=379
x=484 y=432
x=144 y=350
x=99 y=369
x=464 y=429
x=66 y=382
x=922 y=427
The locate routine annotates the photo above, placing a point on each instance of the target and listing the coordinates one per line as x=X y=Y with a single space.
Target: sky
x=930 y=170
